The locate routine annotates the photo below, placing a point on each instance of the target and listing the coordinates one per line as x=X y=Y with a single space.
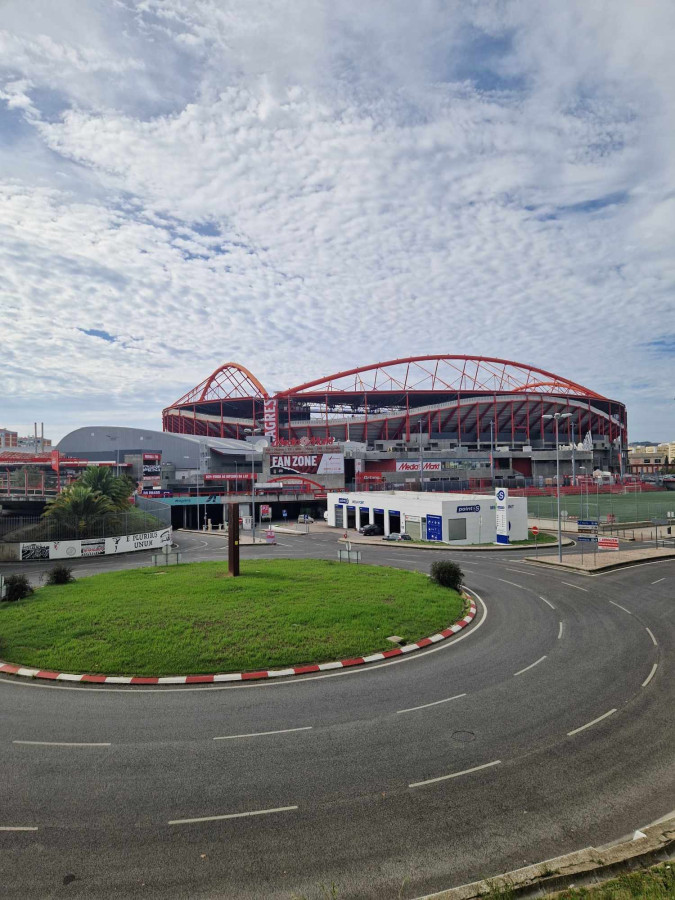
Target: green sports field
x=631 y=507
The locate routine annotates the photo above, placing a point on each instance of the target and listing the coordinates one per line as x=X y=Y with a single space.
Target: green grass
x=626 y=507
x=657 y=883
x=191 y=619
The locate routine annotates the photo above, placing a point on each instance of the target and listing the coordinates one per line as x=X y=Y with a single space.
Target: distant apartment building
x=8 y=438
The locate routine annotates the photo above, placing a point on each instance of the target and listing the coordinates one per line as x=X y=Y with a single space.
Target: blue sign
x=378 y=510
x=587 y=539
x=284 y=513
x=191 y=501
x=434 y=528
x=588 y=522
x=500 y=495
x=468 y=508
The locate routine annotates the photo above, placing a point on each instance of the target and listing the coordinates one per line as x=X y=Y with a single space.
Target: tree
x=116 y=487
x=77 y=508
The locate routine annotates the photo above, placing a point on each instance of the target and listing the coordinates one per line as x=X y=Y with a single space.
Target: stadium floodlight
x=556 y=418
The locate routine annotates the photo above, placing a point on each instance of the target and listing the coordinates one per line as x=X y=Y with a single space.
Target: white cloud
x=304 y=188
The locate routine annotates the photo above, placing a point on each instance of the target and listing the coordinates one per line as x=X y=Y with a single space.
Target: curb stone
x=26 y=672
x=591 y=865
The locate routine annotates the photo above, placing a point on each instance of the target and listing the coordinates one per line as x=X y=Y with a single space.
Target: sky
x=304 y=186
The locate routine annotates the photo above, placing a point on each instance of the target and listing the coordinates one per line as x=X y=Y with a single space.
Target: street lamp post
x=492 y=453
x=421 y=460
x=253 y=431
x=557 y=417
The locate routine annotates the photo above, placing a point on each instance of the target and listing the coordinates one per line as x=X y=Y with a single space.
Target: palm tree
x=116 y=488
x=78 y=508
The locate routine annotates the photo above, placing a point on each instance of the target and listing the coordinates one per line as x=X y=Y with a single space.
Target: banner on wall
x=271 y=420
x=307 y=464
x=147 y=540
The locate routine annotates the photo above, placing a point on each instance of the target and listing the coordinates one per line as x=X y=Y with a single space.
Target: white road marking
x=650 y=676
x=588 y=724
x=520 y=572
x=17 y=828
x=569 y=584
x=658 y=580
x=455 y=774
x=427 y=705
x=531 y=666
x=621 y=607
x=255 y=812
x=560 y=630
x=61 y=744
x=231 y=737
x=652 y=637
x=512 y=583
x=546 y=601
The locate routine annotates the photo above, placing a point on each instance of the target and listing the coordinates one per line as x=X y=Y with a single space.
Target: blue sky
x=303 y=187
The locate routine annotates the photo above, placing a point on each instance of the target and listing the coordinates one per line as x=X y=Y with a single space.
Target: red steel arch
x=442 y=373
x=229 y=382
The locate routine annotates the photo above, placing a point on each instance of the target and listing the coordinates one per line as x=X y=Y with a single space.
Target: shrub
x=60 y=574
x=447 y=574
x=16 y=588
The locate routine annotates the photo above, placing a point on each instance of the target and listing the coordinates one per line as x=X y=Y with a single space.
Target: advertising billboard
x=307 y=464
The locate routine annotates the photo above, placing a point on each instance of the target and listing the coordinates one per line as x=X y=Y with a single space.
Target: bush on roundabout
x=192 y=619
x=446 y=573
x=16 y=588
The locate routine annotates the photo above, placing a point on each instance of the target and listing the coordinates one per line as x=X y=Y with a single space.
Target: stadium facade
x=460 y=417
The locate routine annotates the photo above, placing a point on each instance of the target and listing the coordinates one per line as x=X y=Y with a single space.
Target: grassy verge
x=656 y=883
x=193 y=619
x=541 y=539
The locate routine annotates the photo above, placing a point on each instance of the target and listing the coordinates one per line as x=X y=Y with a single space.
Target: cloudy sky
x=303 y=186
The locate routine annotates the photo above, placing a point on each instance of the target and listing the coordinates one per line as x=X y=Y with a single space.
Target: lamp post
x=557 y=417
x=421 y=459
x=492 y=453
x=258 y=446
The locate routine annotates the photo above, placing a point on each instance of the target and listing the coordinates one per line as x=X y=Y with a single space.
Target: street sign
x=608 y=543
x=535 y=530
x=284 y=513
x=593 y=522
x=587 y=539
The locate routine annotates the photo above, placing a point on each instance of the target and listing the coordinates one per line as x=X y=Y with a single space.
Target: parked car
x=305 y=520
x=397 y=536
x=370 y=530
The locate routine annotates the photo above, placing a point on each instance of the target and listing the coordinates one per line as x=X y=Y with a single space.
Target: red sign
x=152 y=457
x=608 y=543
x=55 y=460
x=229 y=476
x=305 y=442
x=535 y=530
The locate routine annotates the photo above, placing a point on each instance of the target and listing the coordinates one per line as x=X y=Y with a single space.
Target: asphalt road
x=559 y=697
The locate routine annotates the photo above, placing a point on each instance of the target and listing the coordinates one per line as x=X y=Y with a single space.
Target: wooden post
x=233 y=539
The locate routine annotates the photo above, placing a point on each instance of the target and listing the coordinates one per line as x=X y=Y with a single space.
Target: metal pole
x=557 y=485
x=252 y=496
x=421 y=459
x=574 y=471
x=492 y=453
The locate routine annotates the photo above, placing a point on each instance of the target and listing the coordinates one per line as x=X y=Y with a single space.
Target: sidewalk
x=603 y=560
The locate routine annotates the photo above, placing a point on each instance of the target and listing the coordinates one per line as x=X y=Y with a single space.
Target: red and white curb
x=9 y=669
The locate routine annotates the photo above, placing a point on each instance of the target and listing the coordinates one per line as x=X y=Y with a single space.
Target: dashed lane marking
x=455 y=774
x=513 y=583
x=546 y=601
x=255 y=812
x=427 y=705
x=231 y=737
x=652 y=637
x=18 y=828
x=531 y=666
x=569 y=584
x=621 y=607
x=560 y=630
x=63 y=744
x=658 y=580
x=593 y=722
x=650 y=676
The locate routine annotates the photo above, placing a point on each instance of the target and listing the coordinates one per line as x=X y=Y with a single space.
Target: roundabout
x=541 y=729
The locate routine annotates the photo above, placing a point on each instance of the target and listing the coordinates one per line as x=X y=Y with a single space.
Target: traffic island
x=602 y=561
x=281 y=615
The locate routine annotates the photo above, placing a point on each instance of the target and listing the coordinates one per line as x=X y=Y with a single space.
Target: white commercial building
x=449 y=518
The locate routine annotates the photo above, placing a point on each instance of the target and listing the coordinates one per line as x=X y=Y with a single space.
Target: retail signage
x=409 y=465
x=434 y=528
x=265 y=511
x=271 y=420
x=307 y=464
x=501 y=515
x=608 y=543
x=468 y=509
x=152 y=457
x=305 y=441
x=229 y=476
